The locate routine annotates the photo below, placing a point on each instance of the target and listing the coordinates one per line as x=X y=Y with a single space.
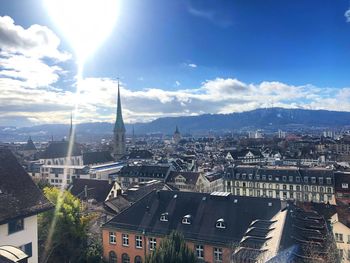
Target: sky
x=175 y=58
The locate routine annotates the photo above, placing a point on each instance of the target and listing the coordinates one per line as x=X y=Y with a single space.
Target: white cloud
x=177 y=83
x=347 y=16
x=191 y=65
x=36 y=41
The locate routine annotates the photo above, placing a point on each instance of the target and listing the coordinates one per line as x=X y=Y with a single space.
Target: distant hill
x=267 y=119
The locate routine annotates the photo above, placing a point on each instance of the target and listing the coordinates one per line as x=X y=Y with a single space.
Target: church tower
x=119 y=131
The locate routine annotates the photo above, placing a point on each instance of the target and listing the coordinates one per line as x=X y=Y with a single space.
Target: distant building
x=286 y=183
x=184 y=181
x=132 y=174
x=119 y=141
x=20 y=203
x=177 y=135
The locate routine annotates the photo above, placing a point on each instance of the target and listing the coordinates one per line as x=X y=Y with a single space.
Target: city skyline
x=205 y=57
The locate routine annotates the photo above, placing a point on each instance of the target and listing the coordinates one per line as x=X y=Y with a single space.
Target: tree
x=172 y=249
x=63 y=231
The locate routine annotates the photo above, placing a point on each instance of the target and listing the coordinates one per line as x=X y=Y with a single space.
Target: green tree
x=172 y=249
x=63 y=230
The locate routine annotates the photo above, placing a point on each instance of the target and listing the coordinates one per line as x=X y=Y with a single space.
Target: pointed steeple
x=119 y=144
x=71 y=127
x=119 y=123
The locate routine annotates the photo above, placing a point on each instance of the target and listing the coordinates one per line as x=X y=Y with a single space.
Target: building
x=177 y=135
x=216 y=226
x=342 y=185
x=119 y=141
x=20 y=203
x=340 y=223
x=59 y=167
x=246 y=156
x=184 y=181
x=133 y=174
x=286 y=183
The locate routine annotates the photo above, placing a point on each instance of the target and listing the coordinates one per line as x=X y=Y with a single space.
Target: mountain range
x=270 y=119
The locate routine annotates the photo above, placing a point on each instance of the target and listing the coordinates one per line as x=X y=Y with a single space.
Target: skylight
x=186 y=219
x=220 y=223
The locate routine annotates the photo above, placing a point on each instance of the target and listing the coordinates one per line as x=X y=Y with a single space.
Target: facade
x=214 y=226
x=20 y=202
x=342 y=185
x=286 y=183
x=119 y=141
x=184 y=181
x=246 y=156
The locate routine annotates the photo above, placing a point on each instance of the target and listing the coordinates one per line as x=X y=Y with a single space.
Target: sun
x=85 y=23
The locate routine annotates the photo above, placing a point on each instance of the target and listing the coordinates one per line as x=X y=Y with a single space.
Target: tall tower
x=177 y=135
x=119 y=131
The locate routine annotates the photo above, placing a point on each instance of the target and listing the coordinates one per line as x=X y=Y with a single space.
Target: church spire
x=119 y=123
x=119 y=145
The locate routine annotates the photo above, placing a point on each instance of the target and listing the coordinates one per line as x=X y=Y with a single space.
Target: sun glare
x=85 y=23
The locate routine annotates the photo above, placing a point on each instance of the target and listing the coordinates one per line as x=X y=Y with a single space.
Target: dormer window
x=220 y=223
x=186 y=220
x=164 y=217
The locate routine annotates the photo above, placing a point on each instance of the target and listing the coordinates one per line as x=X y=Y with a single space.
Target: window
x=284 y=178
x=217 y=254
x=112 y=238
x=306 y=188
x=277 y=186
x=200 y=251
x=270 y=193
x=284 y=187
x=270 y=177
x=298 y=187
x=164 y=217
x=186 y=220
x=257 y=177
x=290 y=178
x=348 y=239
x=297 y=179
x=138 y=259
x=339 y=237
x=320 y=180
x=306 y=179
x=15 y=226
x=152 y=243
x=313 y=180
x=125 y=258
x=341 y=254
x=220 y=223
x=112 y=257
x=27 y=248
x=125 y=240
x=328 y=180
x=291 y=187
x=138 y=241
x=264 y=177
x=250 y=176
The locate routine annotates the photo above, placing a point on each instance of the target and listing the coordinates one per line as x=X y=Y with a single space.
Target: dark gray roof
x=205 y=210
x=140 y=154
x=97 y=157
x=148 y=171
x=29 y=146
x=276 y=173
x=19 y=196
x=96 y=189
x=132 y=195
x=59 y=150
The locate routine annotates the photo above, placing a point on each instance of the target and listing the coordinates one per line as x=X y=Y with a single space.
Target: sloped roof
x=153 y=171
x=96 y=189
x=191 y=177
x=19 y=196
x=97 y=157
x=140 y=154
x=205 y=210
x=60 y=149
x=29 y=146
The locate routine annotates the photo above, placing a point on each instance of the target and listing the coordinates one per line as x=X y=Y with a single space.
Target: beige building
x=286 y=183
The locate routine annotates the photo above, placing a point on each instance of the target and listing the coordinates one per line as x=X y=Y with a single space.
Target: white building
x=20 y=202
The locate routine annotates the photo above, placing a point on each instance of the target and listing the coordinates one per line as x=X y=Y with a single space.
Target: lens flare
x=85 y=23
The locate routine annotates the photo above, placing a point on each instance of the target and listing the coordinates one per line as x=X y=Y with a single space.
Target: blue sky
x=179 y=57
